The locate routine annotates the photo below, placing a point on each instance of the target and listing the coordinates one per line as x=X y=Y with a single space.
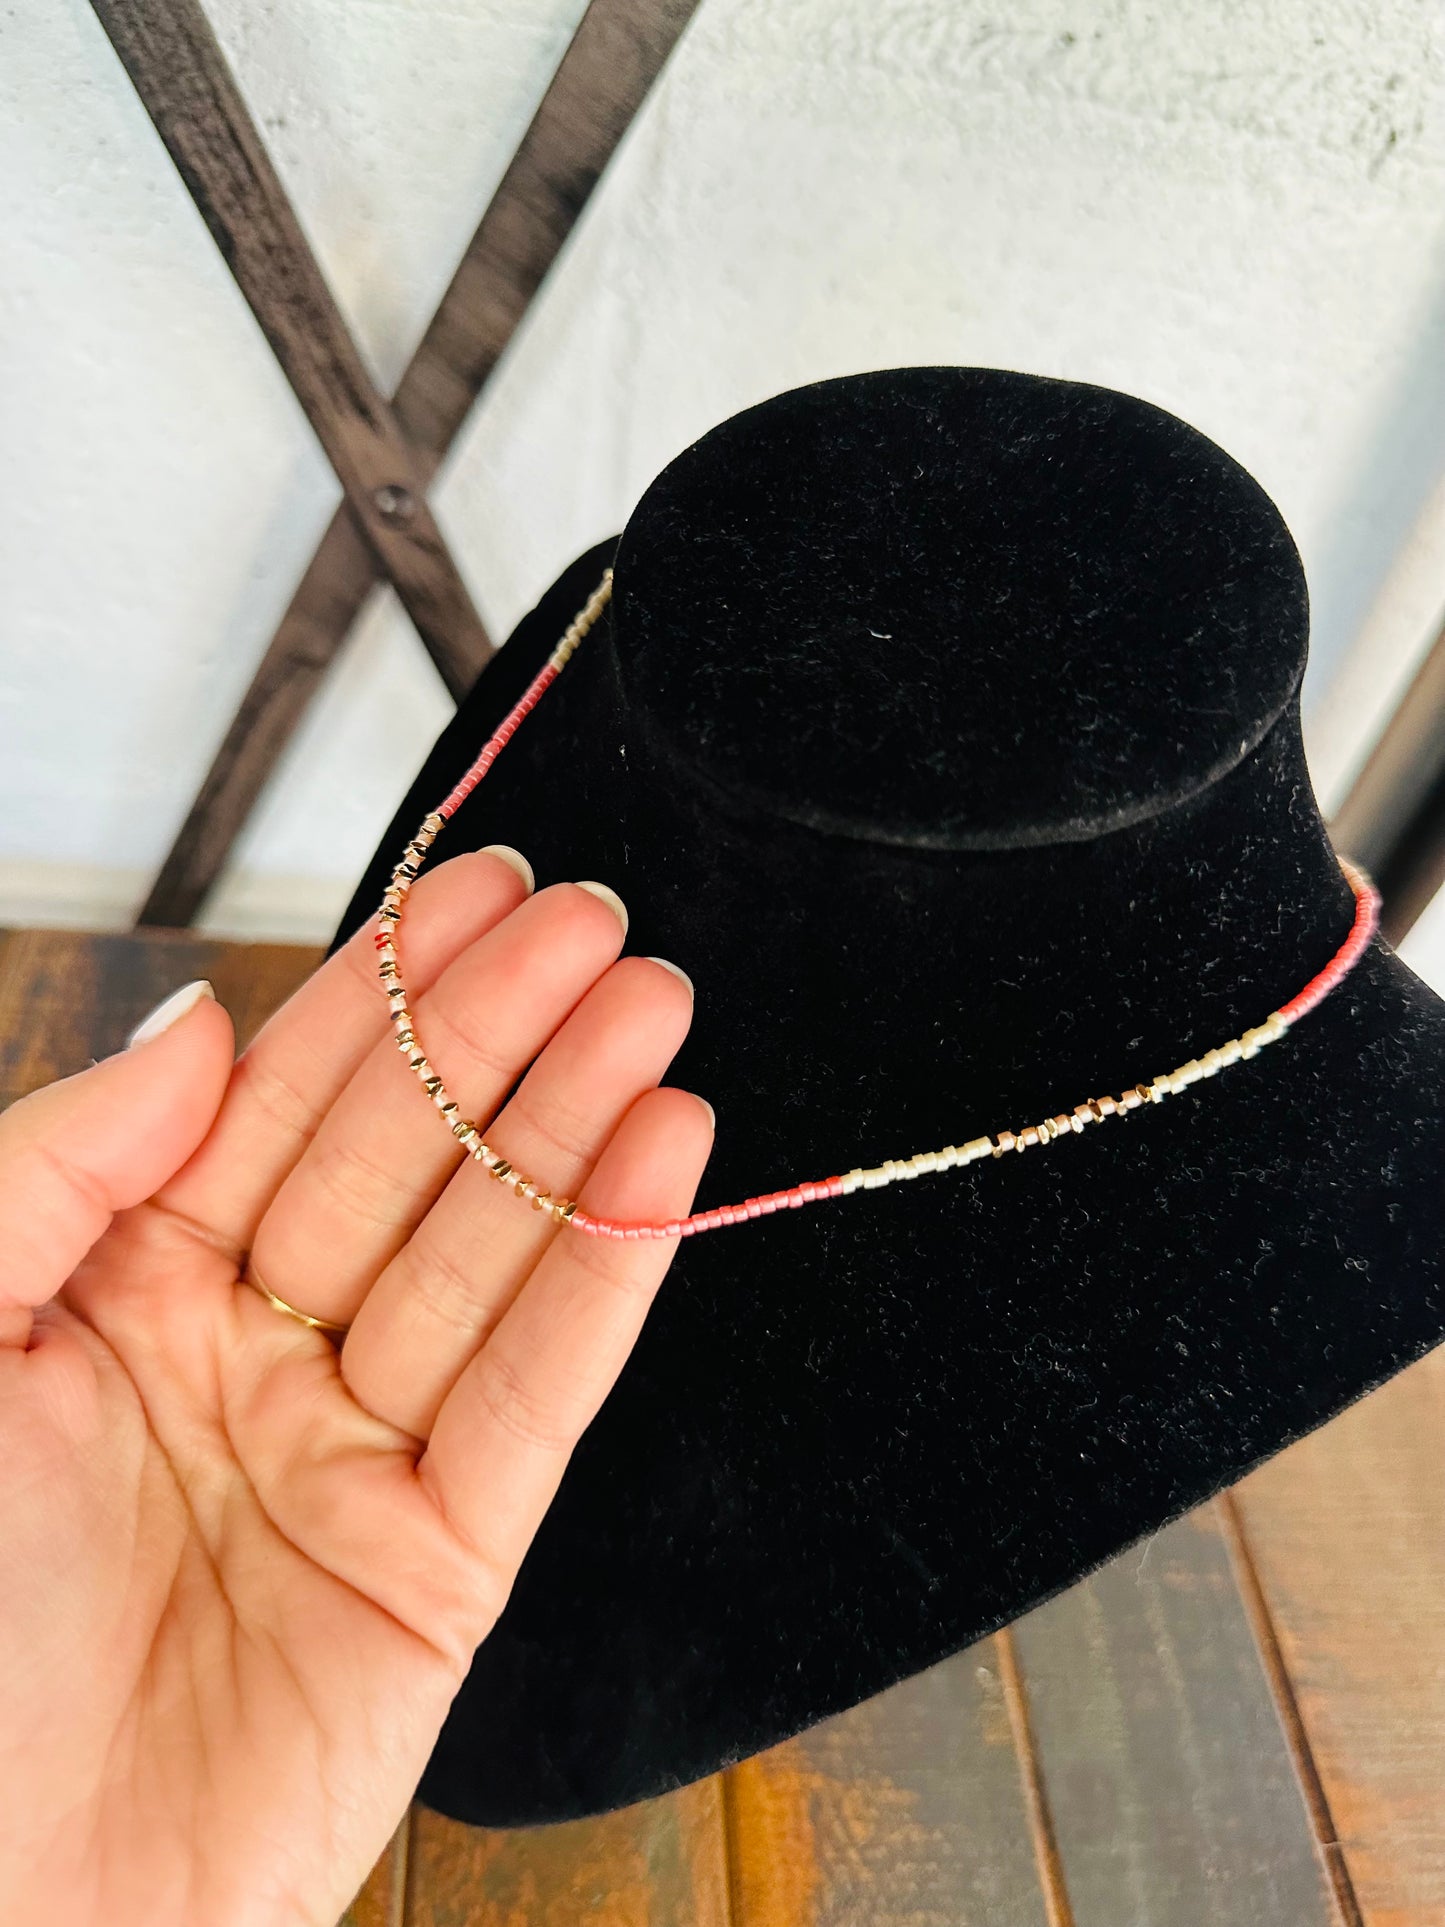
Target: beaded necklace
x=565 y=1210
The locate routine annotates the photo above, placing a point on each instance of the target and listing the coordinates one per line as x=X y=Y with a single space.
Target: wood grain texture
x=905 y=1811
x=1346 y=1531
x=1171 y=1786
x=302 y=650
x=1286 y=1700
x=1048 y=1861
x=610 y=64
x=660 y=1863
x=382 y=1900
x=177 y=68
x=69 y=996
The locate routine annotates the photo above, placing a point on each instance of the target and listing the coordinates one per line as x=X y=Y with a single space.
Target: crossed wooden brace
x=384 y=454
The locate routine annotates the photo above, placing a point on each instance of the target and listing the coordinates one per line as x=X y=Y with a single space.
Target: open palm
x=242 y=1572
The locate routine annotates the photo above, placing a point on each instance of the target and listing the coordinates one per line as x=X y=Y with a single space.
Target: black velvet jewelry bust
x=944 y=727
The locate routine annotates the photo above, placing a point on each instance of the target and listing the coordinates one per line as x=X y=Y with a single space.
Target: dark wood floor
x=1240 y=1723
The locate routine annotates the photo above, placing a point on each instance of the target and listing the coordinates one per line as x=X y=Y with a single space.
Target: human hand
x=243 y=1573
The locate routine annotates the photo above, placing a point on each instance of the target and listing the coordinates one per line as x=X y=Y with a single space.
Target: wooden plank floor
x=1240 y=1721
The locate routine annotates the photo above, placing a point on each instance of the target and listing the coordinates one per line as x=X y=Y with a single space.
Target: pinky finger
x=502 y=1438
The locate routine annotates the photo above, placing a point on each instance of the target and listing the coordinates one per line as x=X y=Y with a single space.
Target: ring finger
x=445 y=1291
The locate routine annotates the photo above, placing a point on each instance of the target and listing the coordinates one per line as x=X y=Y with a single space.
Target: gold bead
x=501 y=1168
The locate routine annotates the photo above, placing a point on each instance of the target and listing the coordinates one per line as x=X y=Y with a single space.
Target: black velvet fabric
x=944 y=727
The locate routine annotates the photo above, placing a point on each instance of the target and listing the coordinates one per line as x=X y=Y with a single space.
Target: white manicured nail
x=711 y=1113
x=611 y=899
x=676 y=972
x=169 y=1011
x=516 y=860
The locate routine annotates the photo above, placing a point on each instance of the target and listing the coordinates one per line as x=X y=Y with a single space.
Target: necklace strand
x=565 y=1210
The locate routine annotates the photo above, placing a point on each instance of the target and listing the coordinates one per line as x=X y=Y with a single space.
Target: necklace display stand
x=943 y=725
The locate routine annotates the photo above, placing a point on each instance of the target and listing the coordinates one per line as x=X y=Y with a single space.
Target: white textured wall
x=1235 y=211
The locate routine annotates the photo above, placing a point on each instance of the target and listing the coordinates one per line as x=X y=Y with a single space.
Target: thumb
x=75 y=1152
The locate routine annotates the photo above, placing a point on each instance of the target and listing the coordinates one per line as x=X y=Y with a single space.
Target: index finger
x=303 y=1057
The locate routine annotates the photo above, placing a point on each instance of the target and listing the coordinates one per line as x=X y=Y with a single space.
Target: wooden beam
x=1393 y=819
x=1173 y=1792
x=906 y=1809
x=613 y=59
x=1346 y=1534
x=177 y=68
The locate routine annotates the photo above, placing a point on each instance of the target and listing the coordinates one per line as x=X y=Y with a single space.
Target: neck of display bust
x=941 y=989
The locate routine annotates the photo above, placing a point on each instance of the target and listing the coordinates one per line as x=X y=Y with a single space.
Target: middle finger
x=443 y=1293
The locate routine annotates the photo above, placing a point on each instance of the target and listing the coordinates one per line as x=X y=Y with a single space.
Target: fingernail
x=516 y=860
x=676 y=972
x=611 y=899
x=169 y=1011
x=711 y=1113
